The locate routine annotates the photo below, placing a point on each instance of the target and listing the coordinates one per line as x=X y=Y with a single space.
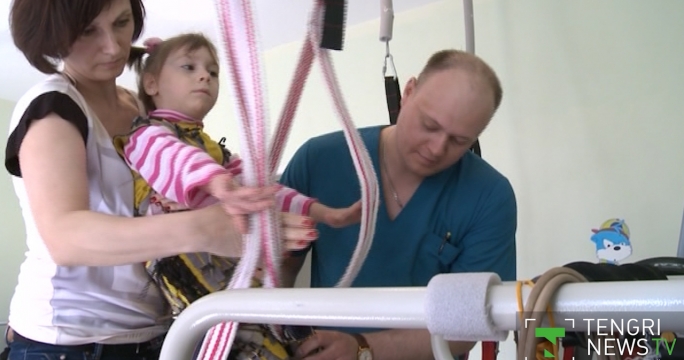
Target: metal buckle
x=388 y=59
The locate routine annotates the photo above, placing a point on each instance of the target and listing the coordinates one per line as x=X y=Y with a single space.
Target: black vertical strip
x=476 y=148
x=393 y=94
x=333 y=24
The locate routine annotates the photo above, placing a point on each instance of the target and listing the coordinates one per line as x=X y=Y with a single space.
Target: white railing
x=493 y=304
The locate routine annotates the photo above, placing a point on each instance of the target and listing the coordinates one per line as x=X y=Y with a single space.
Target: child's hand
x=240 y=201
x=336 y=218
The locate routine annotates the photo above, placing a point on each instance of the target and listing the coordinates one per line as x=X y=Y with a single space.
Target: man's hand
x=396 y=344
x=328 y=345
x=336 y=218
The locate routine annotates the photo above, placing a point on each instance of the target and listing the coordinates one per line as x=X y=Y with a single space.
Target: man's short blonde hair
x=456 y=59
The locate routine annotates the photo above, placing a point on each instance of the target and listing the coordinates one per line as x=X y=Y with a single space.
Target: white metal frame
x=404 y=308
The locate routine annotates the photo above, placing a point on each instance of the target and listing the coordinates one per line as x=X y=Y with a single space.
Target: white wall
x=589 y=128
x=12 y=235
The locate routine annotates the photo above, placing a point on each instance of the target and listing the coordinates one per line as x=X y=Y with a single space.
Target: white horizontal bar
x=357 y=307
x=404 y=308
x=573 y=303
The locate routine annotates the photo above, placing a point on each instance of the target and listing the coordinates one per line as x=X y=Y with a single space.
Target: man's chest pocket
x=436 y=254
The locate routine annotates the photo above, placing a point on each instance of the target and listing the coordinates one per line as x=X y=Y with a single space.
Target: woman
x=83 y=290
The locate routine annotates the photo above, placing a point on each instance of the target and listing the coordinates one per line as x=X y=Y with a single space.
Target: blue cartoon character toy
x=612 y=241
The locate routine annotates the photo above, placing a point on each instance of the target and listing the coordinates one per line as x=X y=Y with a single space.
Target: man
x=444 y=209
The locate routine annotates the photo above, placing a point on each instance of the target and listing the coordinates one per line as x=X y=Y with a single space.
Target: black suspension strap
x=476 y=148
x=334 y=20
x=392 y=89
x=393 y=93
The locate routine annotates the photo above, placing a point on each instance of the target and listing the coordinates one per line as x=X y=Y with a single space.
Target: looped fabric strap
x=239 y=34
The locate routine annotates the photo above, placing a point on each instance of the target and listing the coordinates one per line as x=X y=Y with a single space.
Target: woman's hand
x=297 y=232
x=240 y=201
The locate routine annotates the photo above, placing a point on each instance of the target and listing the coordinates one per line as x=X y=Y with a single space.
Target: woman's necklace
x=389 y=178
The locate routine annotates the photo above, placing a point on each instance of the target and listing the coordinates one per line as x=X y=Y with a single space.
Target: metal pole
x=469 y=25
x=680 y=248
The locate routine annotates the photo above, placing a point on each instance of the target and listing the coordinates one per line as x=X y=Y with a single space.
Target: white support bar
x=613 y=300
x=386 y=20
x=680 y=247
x=469 y=25
x=404 y=308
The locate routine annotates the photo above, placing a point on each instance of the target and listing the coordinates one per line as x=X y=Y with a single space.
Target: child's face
x=188 y=83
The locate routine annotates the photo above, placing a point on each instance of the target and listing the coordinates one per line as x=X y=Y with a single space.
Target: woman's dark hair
x=44 y=31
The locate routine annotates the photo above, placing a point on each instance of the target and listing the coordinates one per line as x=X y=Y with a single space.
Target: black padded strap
x=476 y=148
x=333 y=24
x=393 y=94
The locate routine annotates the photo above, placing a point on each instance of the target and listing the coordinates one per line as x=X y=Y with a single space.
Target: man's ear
x=150 y=84
x=409 y=89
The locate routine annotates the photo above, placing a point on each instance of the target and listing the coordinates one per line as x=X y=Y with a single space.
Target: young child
x=177 y=166
x=178 y=86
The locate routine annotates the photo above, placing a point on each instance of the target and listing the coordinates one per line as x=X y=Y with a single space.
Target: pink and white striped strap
x=238 y=30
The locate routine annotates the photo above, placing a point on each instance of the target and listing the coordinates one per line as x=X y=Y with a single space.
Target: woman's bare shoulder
x=130 y=98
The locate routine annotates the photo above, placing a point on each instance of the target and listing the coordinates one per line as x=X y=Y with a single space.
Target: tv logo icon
x=552 y=334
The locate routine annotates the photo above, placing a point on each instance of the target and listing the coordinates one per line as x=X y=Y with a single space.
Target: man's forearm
x=408 y=344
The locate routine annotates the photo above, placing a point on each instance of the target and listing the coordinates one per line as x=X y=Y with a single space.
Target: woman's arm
x=55 y=178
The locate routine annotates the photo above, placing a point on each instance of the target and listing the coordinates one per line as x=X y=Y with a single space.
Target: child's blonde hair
x=157 y=56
